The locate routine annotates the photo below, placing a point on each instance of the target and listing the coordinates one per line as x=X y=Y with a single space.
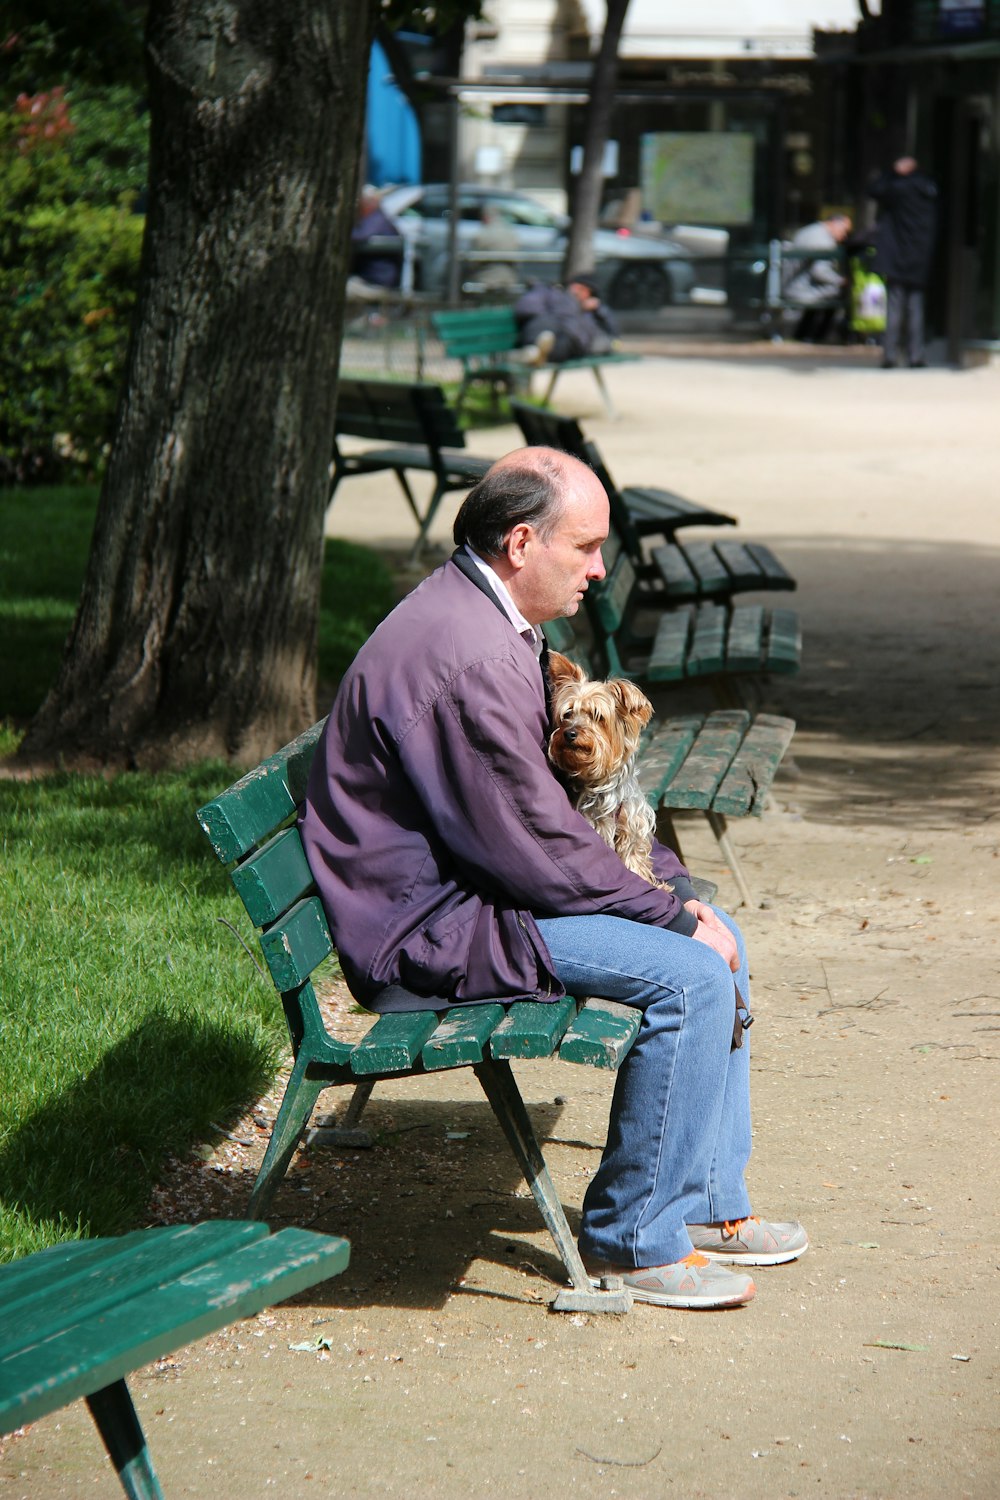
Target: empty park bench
x=486 y=339
x=252 y=830
x=720 y=642
x=80 y=1316
x=417 y=431
x=721 y=764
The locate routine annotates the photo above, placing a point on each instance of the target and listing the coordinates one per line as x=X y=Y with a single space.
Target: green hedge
x=72 y=166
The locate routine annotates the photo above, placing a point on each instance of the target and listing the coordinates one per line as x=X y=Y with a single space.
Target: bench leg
x=404 y=485
x=551 y=387
x=608 y=405
x=426 y=521
x=112 y=1410
x=500 y=1088
x=717 y=823
x=296 y=1107
x=344 y=1134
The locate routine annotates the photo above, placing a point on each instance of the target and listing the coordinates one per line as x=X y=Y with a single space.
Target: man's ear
x=562 y=670
x=517 y=539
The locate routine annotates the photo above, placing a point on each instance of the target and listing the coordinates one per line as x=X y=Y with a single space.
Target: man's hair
x=531 y=492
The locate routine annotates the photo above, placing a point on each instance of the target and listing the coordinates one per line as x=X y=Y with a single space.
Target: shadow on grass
x=88 y=1157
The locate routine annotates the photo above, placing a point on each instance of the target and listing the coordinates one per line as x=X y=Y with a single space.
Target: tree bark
x=196 y=631
x=586 y=205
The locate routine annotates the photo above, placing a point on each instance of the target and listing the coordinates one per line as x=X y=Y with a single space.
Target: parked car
x=633 y=270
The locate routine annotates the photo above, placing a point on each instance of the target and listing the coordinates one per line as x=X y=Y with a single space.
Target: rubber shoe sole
x=750 y=1242
x=694 y=1284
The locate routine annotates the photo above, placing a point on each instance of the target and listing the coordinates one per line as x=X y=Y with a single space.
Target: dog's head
x=597 y=724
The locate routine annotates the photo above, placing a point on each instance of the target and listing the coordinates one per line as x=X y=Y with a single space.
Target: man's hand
x=714 y=932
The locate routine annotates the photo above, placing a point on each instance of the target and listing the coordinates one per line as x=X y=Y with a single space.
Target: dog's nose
x=569 y=735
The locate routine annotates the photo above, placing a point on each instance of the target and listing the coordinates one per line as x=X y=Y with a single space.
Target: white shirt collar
x=514 y=615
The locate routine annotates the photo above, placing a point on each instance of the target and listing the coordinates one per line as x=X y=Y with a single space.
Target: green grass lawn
x=133 y=1024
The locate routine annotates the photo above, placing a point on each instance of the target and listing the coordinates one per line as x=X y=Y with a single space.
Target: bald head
x=539 y=518
x=529 y=486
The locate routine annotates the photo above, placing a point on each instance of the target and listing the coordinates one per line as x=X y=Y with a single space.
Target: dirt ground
x=867 y=1369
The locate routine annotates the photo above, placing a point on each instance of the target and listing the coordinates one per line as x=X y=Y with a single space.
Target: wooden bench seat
x=80 y=1316
x=417 y=430
x=721 y=764
x=485 y=340
x=250 y=829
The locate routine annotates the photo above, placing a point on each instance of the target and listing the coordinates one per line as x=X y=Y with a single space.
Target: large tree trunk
x=586 y=205
x=197 y=626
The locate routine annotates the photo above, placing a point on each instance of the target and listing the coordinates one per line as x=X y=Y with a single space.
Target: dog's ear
x=562 y=670
x=632 y=700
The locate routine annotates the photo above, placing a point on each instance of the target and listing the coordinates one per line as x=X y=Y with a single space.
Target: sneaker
x=693 y=1282
x=750 y=1242
x=544 y=344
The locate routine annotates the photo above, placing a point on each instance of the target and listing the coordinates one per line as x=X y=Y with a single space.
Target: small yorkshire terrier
x=594 y=743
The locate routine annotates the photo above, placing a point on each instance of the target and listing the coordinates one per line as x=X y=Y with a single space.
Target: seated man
x=451 y=861
x=558 y=323
x=816 y=284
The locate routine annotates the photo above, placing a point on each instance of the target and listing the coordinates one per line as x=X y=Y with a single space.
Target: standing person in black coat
x=906 y=230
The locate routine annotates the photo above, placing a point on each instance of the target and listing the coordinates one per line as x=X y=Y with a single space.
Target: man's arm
x=483 y=778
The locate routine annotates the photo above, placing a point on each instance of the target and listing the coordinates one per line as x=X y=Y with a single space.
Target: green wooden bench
x=721 y=764
x=485 y=340
x=251 y=829
x=694 y=569
x=80 y=1316
x=422 y=434
x=642 y=509
x=721 y=642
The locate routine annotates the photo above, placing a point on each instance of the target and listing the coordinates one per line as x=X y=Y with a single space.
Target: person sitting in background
x=558 y=323
x=817 y=284
x=372 y=268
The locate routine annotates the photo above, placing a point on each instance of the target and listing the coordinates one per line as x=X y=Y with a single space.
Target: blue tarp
x=393 y=138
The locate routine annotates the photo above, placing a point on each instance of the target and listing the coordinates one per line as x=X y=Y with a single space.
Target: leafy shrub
x=72 y=165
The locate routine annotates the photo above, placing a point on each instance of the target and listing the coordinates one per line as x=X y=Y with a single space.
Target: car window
x=523 y=211
x=427 y=206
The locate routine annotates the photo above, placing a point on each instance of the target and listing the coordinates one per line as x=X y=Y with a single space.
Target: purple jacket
x=434 y=825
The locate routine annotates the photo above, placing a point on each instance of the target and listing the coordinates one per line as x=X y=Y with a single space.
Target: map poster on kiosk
x=698 y=178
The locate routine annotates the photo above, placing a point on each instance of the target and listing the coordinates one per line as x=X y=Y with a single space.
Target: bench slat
x=709 y=759
x=253 y=807
x=662 y=754
x=745 y=785
x=707 y=652
x=78 y=1358
x=745 y=643
x=531 y=1028
x=784 y=643
x=601 y=1034
x=59 y=1286
x=668 y=656
x=274 y=878
x=297 y=944
x=394 y=1042
x=461 y=1036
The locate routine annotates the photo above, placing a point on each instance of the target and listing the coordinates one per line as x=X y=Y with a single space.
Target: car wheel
x=639 y=286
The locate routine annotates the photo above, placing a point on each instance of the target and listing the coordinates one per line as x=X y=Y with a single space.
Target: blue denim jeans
x=679 y=1133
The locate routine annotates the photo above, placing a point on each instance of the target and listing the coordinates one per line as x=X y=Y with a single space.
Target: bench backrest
x=249 y=826
x=476 y=331
x=397 y=413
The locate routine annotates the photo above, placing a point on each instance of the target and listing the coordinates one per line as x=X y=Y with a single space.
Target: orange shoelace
x=737 y=1224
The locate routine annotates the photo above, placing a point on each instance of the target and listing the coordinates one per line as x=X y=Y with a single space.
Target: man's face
x=555 y=573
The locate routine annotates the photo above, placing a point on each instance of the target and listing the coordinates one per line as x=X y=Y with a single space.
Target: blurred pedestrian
x=906 y=234
x=377 y=268
x=816 y=282
x=496 y=235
